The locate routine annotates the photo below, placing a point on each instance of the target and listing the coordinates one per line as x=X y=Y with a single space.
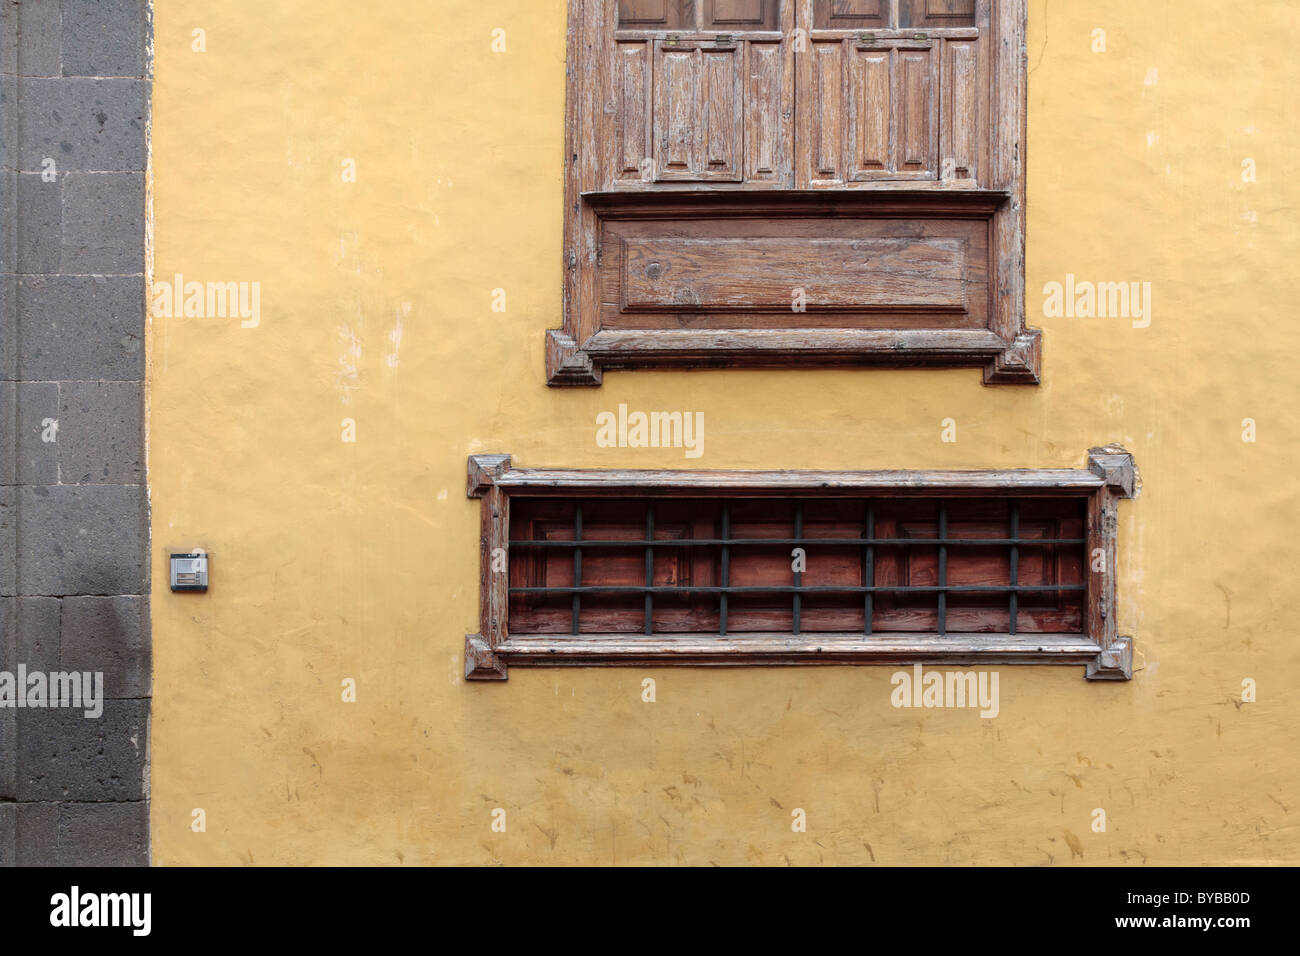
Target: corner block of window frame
x=660 y=568
x=795 y=183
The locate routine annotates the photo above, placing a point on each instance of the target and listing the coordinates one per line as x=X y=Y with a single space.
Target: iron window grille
x=662 y=567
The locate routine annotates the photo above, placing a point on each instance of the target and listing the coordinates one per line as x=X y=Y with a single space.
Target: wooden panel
x=793 y=274
x=961 y=115
x=850 y=14
x=821 y=113
x=759 y=274
x=767 y=140
x=741 y=15
x=632 y=119
x=936 y=13
x=676 y=100
x=892 y=107
x=869 y=113
x=698 y=115
x=655 y=14
x=722 y=97
x=914 y=109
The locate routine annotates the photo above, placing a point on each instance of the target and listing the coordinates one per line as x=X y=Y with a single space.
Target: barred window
x=606 y=567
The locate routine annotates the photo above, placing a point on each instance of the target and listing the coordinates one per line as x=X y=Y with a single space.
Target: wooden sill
x=756 y=650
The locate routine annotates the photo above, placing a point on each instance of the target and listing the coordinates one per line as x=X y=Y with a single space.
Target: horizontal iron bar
x=847 y=542
x=788 y=589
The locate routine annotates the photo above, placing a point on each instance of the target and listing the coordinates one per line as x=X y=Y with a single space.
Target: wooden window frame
x=1010 y=353
x=1109 y=477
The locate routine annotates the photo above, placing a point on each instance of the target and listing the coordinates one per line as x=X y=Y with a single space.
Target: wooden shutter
x=698 y=116
x=794 y=182
x=704 y=91
x=964 y=123
x=701 y=92
x=888 y=102
x=891 y=99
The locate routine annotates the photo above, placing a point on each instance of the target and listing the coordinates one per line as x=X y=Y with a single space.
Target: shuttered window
x=583 y=567
x=795 y=182
x=704 y=90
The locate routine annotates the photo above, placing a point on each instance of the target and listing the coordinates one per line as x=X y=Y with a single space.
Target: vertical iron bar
x=943 y=569
x=577 y=565
x=798 y=575
x=1015 y=564
x=649 y=566
x=869 y=569
x=725 y=581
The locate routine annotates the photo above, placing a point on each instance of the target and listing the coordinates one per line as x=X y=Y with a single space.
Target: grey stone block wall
x=74 y=569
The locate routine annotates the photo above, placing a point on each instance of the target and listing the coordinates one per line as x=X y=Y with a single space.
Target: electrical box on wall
x=189 y=572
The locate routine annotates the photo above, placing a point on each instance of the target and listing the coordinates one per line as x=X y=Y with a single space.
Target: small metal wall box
x=189 y=572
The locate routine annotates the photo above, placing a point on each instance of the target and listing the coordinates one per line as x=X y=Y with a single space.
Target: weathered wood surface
x=671 y=273
x=1115 y=467
x=633 y=481
x=685 y=112
x=786 y=348
x=778 y=649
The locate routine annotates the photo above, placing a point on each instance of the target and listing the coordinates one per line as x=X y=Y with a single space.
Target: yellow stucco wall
x=335 y=560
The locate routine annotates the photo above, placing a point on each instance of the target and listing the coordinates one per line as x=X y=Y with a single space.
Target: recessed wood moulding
x=799 y=567
x=795 y=183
